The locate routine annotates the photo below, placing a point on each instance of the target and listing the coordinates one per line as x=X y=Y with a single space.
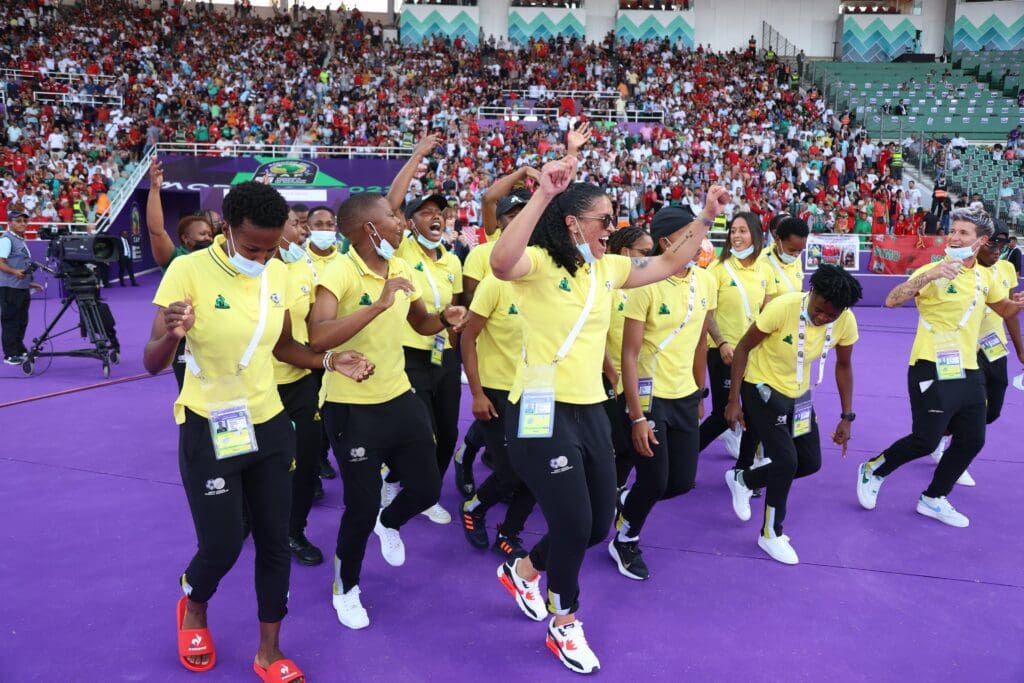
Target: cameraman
x=14 y=287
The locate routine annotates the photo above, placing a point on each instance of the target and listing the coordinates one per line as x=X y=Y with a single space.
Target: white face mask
x=787 y=258
x=583 y=247
x=960 y=253
x=742 y=253
x=293 y=253
x=245 y=266
x=323 y=239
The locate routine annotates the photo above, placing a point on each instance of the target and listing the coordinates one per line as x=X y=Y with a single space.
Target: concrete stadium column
x=601 y=16
x=494 y=18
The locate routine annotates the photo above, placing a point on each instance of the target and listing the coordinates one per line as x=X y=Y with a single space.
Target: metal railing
x=77 y=98
x=530 y=114
x=301 y=151
x=771 y=39
x=120 y=195
x=531 y=93
x=58 y=76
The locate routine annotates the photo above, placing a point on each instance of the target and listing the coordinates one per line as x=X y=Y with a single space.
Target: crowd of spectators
x=311 y=79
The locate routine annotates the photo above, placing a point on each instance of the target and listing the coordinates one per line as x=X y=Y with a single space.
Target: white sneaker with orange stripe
x=569 y=644
x=526 y=593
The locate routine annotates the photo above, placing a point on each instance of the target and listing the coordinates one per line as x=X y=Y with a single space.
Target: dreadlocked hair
x=552 y=234
x=624 y=238
x=836 y=286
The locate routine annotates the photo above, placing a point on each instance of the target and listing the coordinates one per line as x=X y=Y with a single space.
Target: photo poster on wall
x=835 y=250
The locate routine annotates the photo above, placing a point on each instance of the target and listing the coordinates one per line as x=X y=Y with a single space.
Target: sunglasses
x=607 y=220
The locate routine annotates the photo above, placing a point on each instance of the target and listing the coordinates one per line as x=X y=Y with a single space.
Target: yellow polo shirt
x=614 y=342
x=550 y=301
x=661 y=307
x=438 y=281
x=301 y=293
x=729 y=313
x=499 y=346
x=944 y=303
x=227 y=310
x=1006 y=274
x=355 y=285
x=773 y=361
x=782 y=277
x=478 y=262
x=320 y=262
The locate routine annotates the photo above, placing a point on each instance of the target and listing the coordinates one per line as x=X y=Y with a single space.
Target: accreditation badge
x=949 y=364
x=537 y=404
x=646 y=365
x=803 y=413
x=437 y=350
x=993 y=347
x=231 y=426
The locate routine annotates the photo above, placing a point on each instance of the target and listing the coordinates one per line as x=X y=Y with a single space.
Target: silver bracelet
x=638 y=421
x=327 y=361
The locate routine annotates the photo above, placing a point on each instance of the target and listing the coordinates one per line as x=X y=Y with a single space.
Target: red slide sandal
x=281 y=671
x=194 y=642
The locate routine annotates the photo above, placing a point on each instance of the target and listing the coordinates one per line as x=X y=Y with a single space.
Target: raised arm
x=502 y=187
x=160 y=243
x=685 y=244
x=400 y=185
x=327 y=331
x=508 y=258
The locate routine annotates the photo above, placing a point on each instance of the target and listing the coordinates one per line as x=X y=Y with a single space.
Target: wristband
x=638 y=421
x=444 y=321
x=705 y=221
x=327 y=361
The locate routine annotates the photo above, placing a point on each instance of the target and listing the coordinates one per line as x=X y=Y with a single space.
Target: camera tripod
x=95 y=323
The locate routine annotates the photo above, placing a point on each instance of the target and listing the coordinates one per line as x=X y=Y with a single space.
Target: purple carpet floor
x=96 y=531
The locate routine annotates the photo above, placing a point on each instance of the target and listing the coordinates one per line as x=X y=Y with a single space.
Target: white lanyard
x=312 y=269
x=970 y=309
x=689 y=314
x=743 y=292
x=578 y=327
x=261 y=325
x=801 y=334
x=433 y=286
x=778 y=269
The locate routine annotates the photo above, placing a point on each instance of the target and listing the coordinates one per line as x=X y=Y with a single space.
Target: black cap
x=668 y=219
x=414 y=206
x=506 y=204
x=17 y=213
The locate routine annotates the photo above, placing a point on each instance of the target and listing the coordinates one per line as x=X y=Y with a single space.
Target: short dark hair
x=836 y=286
x=354 y=209
x=261 y=204
x=300 y=208
x=322 y=207
x=791 y=225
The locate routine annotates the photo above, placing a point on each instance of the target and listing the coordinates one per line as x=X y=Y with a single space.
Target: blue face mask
x=383 y=247
x=806 y=316
x=427 y=243
x=787 y=258
x=960 y=253
x=743 y=253
x=293 y=253
x=584 y=249
x=323 y=239
x=245 y=266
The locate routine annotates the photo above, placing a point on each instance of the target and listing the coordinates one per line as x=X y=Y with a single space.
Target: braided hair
x=624 y=238
x=551 y=232
x=836 y=286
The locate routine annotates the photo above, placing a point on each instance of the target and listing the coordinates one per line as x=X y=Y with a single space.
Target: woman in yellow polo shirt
x=771 y=372
x=430 y=360
x=664 y=353
x=742 y=284
x=491 y=347
x=235 y=440
x=634 y=243
x=557 y=429
x=782 y=258
x=947 y=389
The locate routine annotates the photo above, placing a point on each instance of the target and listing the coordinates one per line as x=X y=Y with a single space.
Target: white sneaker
x=391 y=546
x=526 y=593
x=437 y=514
x=388 y=493
x=940 y=509
x=867 y=486
x=740 y=495
x=731 y=438
x=779 y=548
x=965 y=479
x=943 y=445
x=570 y=645
x=349 y=608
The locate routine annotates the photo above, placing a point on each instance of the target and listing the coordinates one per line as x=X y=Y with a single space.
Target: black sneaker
x=318 y=489
x=464 y=472
x=305 y=552
x=13 y=360
x=756 y=493
x=628 y=557
x=509 y=546
x=326 y=471
x=474 y=525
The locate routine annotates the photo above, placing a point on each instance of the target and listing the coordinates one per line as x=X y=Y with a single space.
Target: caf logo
x=287 y=172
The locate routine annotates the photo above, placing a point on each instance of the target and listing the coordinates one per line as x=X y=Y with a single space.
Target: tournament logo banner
x=286 y=172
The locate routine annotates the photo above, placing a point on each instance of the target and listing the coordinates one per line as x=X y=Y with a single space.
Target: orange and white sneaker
x=570 y=645
x=526 y=593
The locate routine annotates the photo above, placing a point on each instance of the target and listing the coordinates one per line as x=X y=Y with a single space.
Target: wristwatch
x=849 y=417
